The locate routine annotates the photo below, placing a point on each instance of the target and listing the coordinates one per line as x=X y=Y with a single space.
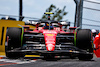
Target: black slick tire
x=14 y=41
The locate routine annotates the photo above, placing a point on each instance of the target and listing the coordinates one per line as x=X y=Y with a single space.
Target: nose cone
x=50 y=39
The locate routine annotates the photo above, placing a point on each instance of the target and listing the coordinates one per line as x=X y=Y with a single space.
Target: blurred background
x=63 y=10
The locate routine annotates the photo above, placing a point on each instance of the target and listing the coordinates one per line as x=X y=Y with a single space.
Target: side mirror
x=31 y=22
x=65 y=23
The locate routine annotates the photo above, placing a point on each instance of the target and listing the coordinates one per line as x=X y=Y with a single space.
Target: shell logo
x=50 y=34
x=50 y=47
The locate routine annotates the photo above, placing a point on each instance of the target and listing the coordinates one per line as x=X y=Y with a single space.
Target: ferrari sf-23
x=49 y=39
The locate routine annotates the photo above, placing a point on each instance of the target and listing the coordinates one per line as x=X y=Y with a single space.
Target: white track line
x=18 y=61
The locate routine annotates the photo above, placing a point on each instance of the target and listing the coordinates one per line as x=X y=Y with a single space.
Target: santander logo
x=49 y=31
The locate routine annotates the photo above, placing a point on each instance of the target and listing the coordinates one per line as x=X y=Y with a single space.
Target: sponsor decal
x=50 y=34
x=49 y=31
x=50 y=47
x=50 y=42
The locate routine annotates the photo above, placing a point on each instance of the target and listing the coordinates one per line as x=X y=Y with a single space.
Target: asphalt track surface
x=95 y=62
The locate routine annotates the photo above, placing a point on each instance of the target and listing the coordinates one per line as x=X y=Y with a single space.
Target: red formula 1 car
x=50 y=39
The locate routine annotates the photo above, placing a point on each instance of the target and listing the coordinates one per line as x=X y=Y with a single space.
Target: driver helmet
x=94 y=32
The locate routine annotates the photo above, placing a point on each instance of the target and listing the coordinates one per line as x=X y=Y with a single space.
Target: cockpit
x=48 y=25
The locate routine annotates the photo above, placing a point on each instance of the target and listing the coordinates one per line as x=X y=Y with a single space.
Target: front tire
x=84 y=40
x=14 y=41
x=14 y=38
